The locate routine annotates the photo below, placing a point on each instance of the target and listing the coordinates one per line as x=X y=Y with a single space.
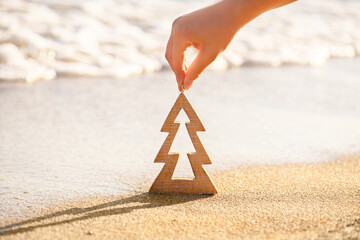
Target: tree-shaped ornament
x=165 y=182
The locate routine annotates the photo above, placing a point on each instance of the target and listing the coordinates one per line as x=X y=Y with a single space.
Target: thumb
x=202 y=60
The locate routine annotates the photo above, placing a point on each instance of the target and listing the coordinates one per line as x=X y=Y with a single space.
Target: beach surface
x=290 y=201
x=70 y=139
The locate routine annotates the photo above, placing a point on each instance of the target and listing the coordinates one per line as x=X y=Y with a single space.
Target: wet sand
x=291 y=201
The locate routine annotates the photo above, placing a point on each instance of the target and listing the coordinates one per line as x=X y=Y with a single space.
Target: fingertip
x=180 y=81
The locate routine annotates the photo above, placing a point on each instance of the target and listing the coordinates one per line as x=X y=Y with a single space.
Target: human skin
x=210 y=30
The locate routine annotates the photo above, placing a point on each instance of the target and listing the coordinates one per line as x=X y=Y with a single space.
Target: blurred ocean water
x=42 y=39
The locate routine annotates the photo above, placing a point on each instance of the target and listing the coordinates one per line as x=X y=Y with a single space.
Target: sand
x=291 y=201
x=75 y=138
x=67 y=145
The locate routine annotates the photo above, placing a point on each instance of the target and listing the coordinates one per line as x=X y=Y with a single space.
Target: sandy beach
x=78 y=138
x=293 y=201
x=285 y=168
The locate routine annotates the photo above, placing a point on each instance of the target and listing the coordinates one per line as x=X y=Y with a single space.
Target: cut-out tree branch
x=165 y=182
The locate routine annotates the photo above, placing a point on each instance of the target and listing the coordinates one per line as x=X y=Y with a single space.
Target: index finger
x=177 y=60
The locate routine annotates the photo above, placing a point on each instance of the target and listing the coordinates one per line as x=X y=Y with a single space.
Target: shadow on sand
x=147 y=200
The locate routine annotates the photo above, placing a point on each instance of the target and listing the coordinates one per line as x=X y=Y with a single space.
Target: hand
x=209 y=30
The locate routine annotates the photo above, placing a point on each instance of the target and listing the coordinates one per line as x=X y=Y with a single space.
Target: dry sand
x=302 y=201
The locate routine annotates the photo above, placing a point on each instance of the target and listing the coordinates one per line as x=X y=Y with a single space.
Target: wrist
x=244 y=11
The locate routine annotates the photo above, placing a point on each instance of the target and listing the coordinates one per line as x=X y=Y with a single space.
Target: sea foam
x=42 y=39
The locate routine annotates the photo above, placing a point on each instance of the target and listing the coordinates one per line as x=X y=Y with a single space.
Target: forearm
x=244 y=11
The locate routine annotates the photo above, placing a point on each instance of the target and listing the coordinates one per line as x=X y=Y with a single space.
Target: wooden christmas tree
x=164 y=182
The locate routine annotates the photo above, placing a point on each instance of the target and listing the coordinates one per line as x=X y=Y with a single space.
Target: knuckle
x=178 y=26
x=177 y=21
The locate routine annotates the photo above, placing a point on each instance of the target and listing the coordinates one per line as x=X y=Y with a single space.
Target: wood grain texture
x=164 y=182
